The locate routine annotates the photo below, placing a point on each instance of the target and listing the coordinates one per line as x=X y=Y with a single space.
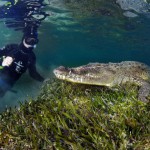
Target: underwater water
x=72 y=41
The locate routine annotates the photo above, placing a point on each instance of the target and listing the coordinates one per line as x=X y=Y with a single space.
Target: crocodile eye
x=62 y=68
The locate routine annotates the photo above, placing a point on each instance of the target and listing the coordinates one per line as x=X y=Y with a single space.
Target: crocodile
x=110 y=75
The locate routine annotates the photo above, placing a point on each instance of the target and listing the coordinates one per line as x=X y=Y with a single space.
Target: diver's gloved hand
x=7 y=61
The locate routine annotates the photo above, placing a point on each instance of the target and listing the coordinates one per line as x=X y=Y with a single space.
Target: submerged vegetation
x=76 y=117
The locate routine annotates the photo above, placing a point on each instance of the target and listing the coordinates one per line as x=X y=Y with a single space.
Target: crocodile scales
x=110 y=75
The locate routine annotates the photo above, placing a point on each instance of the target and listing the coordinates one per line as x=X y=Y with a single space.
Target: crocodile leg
x=144 y=91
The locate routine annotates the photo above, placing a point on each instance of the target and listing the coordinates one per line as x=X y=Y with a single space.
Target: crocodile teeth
x=63 y=77
x=78 y=79
x=69 y=72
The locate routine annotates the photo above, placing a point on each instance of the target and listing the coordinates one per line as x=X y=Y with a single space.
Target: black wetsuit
x=22 y=61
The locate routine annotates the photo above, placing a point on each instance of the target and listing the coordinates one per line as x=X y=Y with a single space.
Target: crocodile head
x=91 y=74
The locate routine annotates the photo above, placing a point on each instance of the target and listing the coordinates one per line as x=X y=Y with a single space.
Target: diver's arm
x=32 y=70
x=34 y=74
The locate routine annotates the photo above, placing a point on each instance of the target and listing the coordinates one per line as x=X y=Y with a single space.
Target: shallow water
x=71 y=41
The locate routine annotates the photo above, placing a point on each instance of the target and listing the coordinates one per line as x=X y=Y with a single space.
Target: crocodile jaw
x=67 y=74
x=74 y=75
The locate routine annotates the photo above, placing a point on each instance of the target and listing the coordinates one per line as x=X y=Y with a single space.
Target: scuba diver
x=15 y=60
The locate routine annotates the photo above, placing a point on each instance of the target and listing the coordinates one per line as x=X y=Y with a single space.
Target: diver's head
x=29 y=43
